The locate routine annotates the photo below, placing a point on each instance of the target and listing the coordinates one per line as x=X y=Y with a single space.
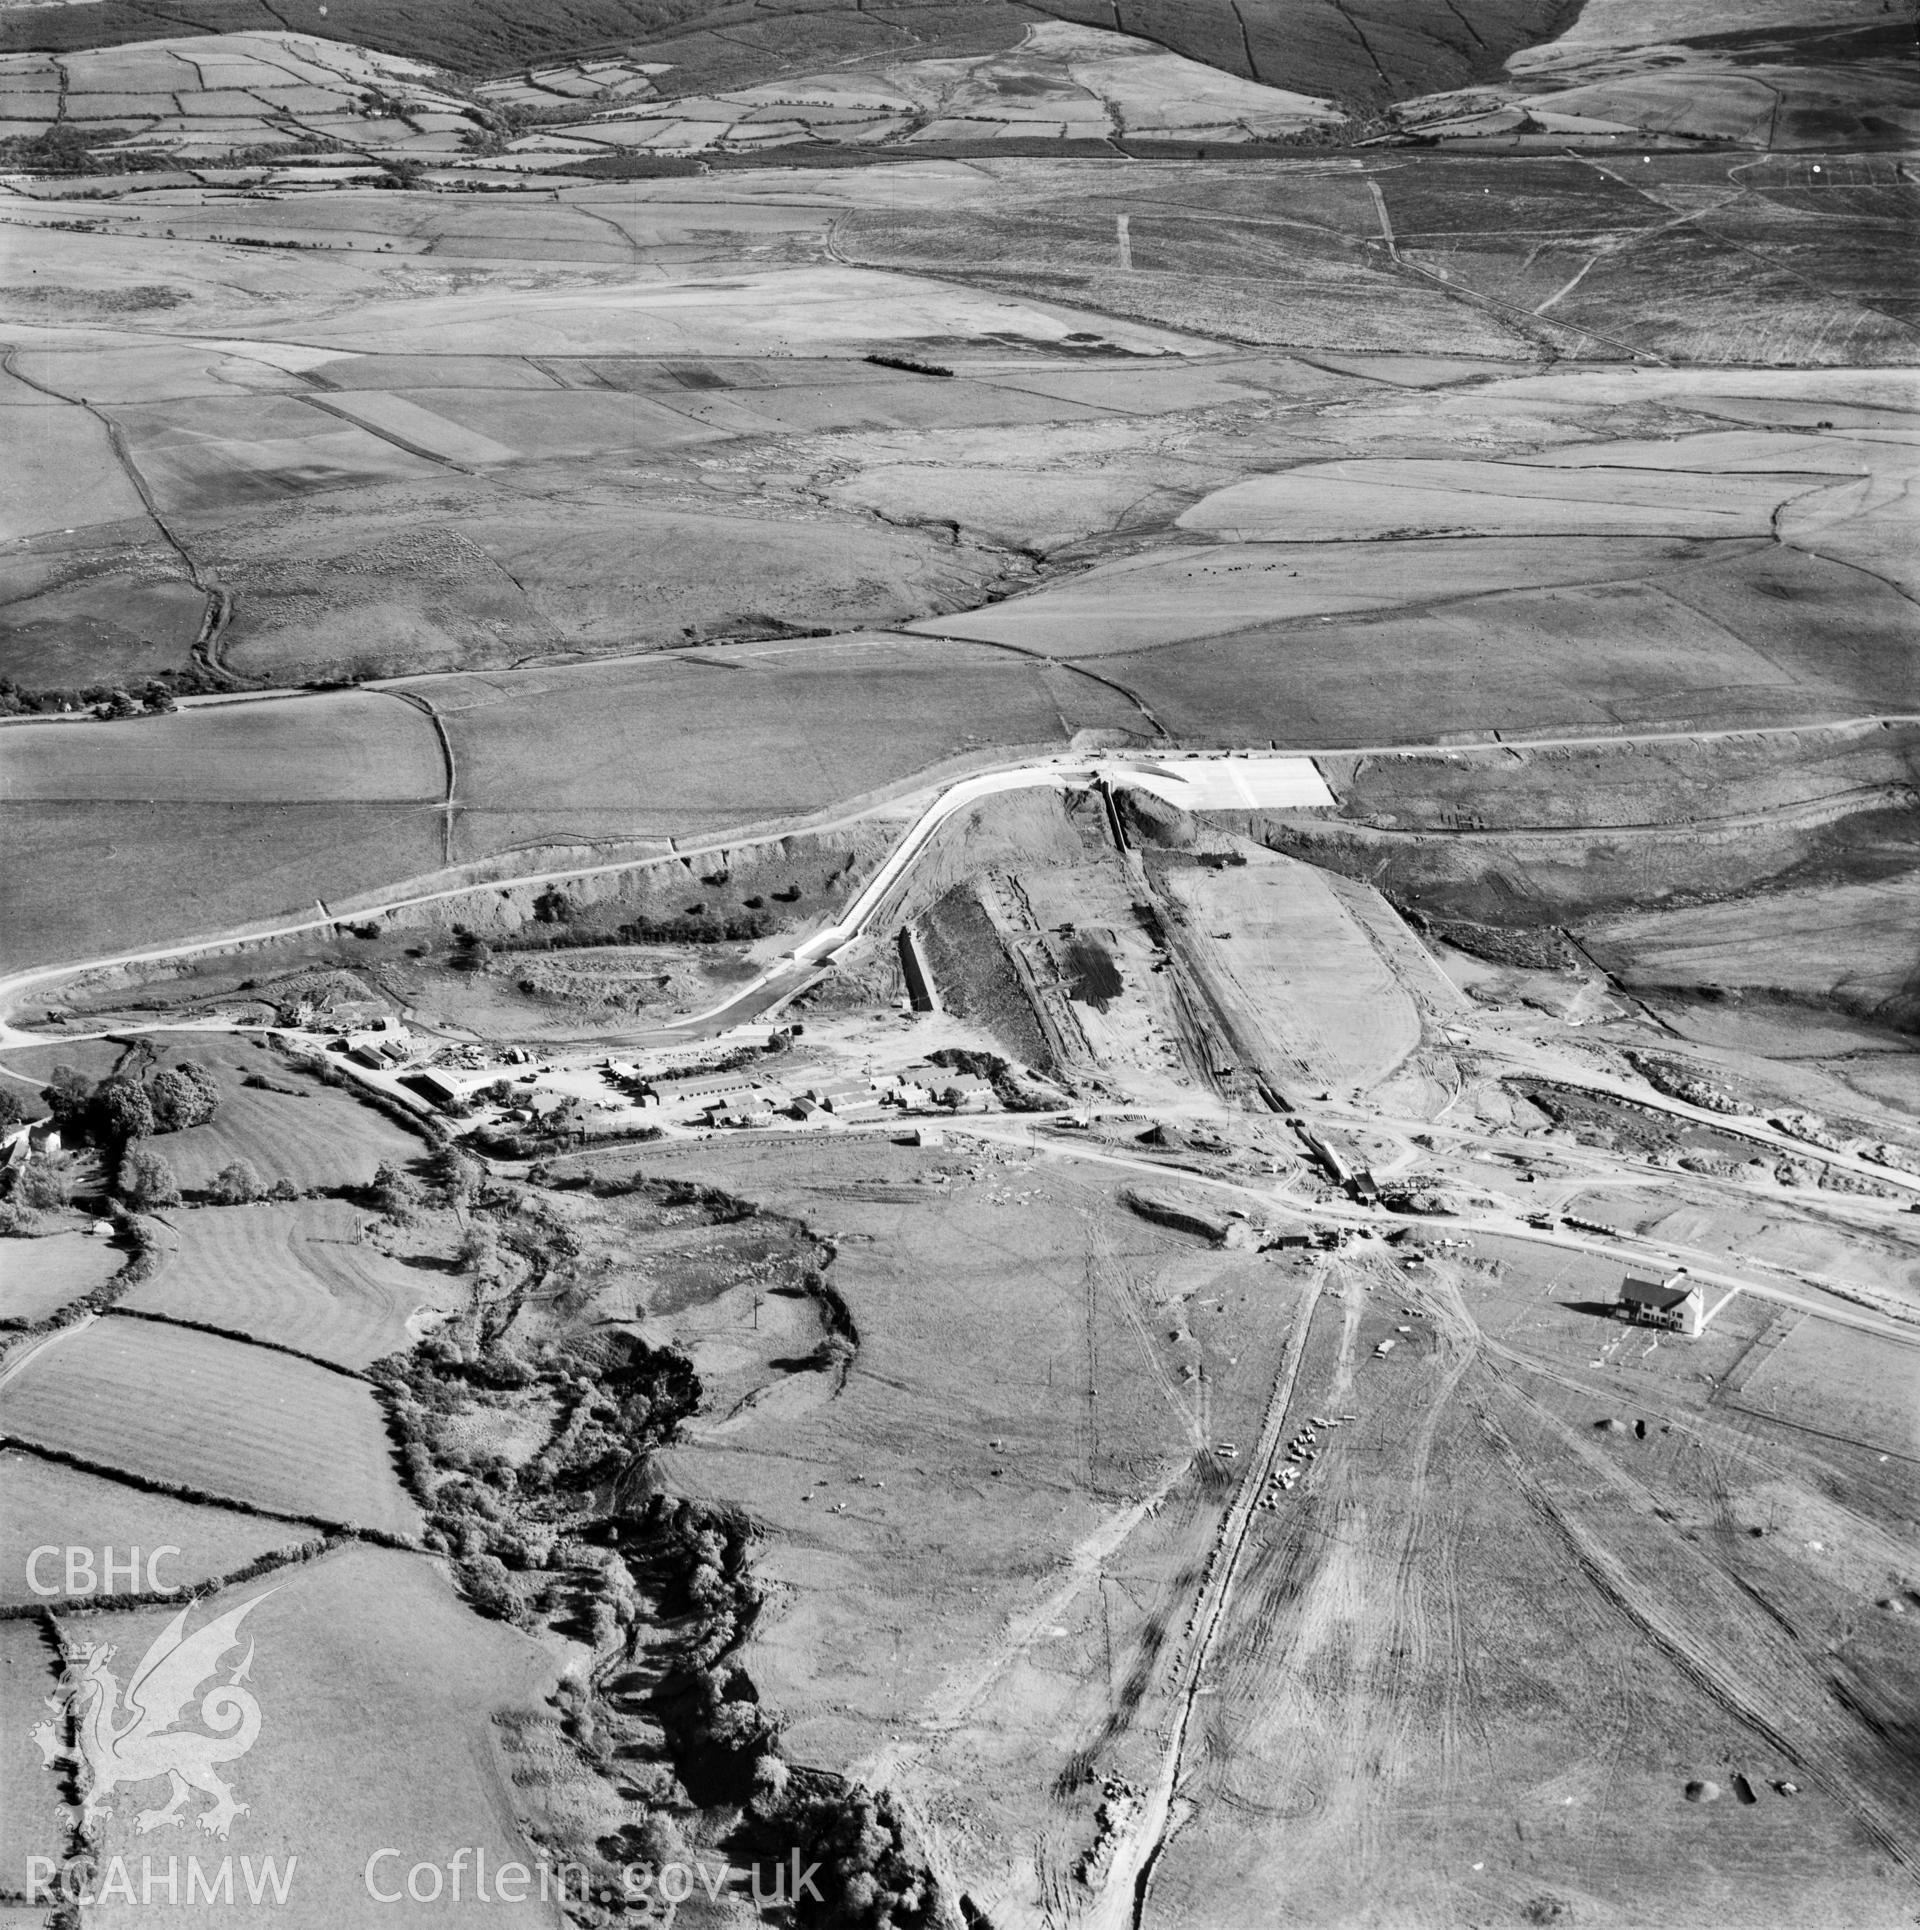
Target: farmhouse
x=1674 y=1303
x=37 y=1137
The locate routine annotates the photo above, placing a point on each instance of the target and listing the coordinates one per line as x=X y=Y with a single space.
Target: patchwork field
x=216 y=1415
x=1062 y=82
x=45 y=1502
x=239 y=92
x=300 y=1276
x=1280 y=42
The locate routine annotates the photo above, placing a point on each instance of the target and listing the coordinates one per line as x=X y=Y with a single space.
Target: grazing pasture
x=1161 y=600
x=699 y=311
x=60 y=470
x=38 y=1277
x=48 y=1503
x=299 y=1275
x=224 y=865
x=758 y=731
x=211 y=457
x=94 y=618
x=1849 y=944
x=313 y=1135
x=346 y=747
x=34 y=1821
x=377 y=1690
x=611 y=578
x=1356 y=501
x=1045 y=512
x=1522 y=663
x=196 y=1411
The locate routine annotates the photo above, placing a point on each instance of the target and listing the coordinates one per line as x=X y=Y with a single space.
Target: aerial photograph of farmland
x=960 y=964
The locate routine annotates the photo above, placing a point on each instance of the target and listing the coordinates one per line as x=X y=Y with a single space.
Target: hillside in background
x=1366 y=52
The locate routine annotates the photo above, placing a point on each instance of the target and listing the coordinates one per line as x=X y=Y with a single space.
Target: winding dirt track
x=1122 y=1899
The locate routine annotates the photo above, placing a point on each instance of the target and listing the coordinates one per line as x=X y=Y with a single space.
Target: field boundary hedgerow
x=243 y=1339
x=264 y=1564
x=143 y=1262
x=424 y=1125
x=206 y=1497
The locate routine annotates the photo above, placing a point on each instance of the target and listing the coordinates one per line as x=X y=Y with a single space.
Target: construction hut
x=1674 y=1302
x=968 y=1093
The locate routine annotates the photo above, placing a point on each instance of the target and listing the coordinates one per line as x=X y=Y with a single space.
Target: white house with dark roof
x=1675 y=1302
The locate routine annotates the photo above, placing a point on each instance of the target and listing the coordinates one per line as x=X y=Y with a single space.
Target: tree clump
x=237 y=1185
x=479 y=1504
x=870 y=1878
x=147 y=1182
x=182 y=1097
x=48 y=1183
x=397 y=1195
x=115 y=1112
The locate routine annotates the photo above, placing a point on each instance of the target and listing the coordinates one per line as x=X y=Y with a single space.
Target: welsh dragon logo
x=129 y=1737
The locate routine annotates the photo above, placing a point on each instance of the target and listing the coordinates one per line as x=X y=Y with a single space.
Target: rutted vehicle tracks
x=1792 y=1713
x=1121 y=1902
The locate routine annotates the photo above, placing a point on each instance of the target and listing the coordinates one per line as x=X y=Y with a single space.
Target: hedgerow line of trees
x=207 y=1497
x=580 y=1527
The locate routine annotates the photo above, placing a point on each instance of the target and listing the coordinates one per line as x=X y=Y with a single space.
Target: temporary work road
x=1060 y=769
